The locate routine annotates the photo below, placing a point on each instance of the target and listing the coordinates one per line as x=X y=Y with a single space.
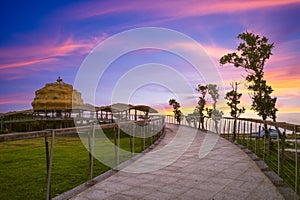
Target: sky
x=41 y=40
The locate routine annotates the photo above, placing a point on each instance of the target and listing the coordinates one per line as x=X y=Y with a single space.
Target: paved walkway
x=226 y=172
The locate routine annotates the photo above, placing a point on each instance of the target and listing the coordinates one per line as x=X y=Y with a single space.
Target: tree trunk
x=234 y=129
x=267 y=135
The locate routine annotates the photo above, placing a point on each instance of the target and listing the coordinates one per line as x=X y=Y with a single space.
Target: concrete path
x=226 y=172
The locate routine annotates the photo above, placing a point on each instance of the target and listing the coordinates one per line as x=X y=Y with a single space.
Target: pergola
x=122 y=111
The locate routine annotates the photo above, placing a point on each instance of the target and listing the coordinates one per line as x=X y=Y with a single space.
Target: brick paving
x=226 y=172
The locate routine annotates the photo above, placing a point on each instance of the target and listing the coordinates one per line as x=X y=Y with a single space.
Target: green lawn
x=23 y=165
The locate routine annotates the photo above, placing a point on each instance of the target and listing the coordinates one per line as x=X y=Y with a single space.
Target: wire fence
x=277 y=144
x=44 y=164
x=279 y=149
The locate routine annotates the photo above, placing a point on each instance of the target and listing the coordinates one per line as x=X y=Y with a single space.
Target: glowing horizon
x=37 y=46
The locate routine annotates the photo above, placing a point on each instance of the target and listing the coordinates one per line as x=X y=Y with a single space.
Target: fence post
x=250 y=137
x=157 y=130
x=248 y=141
x=48 y=195
x=224 y=127
x=115 y=142
x=119 y=146
x=91 y=142
x=270 y=143
x=161 y=128
x=296 y=160
x=258 y=142
x=238 y=131
x=264 y=153
x=151 y=131
x=228 y=129
x=282 y=155
x=144 y=136
x=208 y=126
x=133 y=137
x=244 y=133
x=278 y=151
x=47 y=152
x=130 y=138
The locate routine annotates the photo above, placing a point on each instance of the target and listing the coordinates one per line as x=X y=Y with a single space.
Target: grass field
x=23 y=165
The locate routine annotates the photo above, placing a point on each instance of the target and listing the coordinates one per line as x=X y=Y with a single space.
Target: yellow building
x=56 y=99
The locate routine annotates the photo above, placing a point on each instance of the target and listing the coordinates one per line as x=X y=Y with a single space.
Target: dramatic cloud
x=15 y=98
x=56 y=41
x=171 y=9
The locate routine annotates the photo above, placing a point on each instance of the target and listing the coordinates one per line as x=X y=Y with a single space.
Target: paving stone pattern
x=225 y=173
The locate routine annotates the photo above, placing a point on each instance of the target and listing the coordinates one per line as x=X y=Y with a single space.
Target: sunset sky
x=41 y=40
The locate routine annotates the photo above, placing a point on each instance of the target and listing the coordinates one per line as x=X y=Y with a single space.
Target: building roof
x=56 y=96
x=120 y=107
x=144 y=108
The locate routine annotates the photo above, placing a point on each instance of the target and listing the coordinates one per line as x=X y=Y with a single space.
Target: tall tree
x=202 y=89
x=176 y=111
x=254 y=51
x=233 y=99
x=214 y=113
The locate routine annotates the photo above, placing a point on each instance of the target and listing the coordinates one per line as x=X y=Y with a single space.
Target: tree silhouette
x=254 y=51
x=214 y=113
x=253 y=54
x=176 y=111
x=233 y=99
x=202 y=89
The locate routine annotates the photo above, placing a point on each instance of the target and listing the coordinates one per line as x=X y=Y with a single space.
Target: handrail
x=280 y=124
x=245 y=127
x=64 y=131
x=90 y=131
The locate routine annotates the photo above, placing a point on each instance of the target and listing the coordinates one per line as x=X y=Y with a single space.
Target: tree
x=254 y=51
x=214 y=93
x=201 y=103
x=253 y=54
x=211 y=112
x=214 y=113
x=193 y=117
x=233 y=99
x=176 y=111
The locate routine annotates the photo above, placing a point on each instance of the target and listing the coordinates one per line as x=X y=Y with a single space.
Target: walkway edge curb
x=80 y=188
x=284 y=189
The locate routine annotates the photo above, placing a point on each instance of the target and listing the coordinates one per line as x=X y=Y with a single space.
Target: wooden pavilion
x=58 y=104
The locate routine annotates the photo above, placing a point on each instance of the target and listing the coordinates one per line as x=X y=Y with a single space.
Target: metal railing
x=141 y=134
x=280 y=153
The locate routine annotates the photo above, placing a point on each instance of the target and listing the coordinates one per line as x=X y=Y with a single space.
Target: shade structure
x=144 y=108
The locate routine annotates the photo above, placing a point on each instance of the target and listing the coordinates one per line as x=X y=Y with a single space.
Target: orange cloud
x=44 y=52
x=25 y=63
x=69 y=46
x=20 y=98
x=214 y=51
x=284 y=80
